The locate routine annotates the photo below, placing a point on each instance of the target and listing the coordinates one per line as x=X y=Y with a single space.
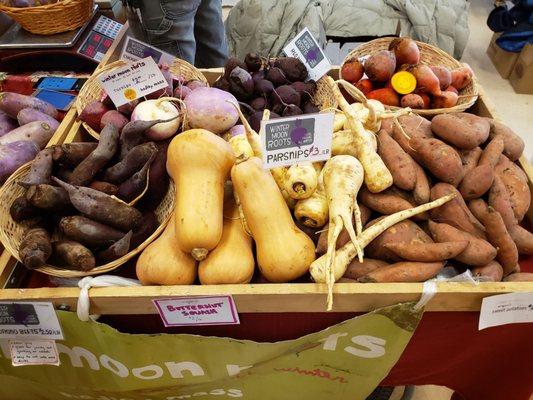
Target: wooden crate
x=264 y=298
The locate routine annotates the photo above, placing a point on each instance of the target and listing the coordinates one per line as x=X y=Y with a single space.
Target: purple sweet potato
x=40 y=170
x=71 y=154
x=48 y=197
x=89 y=232
x=157 y=180
x=37 y=132
x=12 y=103
x=145 y=228
x=133 y=161
x=35 y=248
x=73 y=255
x=115 y=118
x=27 y=115
x=116 y=250
x=22 y=209
x=13 y=155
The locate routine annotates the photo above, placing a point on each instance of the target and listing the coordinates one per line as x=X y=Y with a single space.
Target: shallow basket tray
x=429 y=55
x=63 y=16
x=11 y=232
x=92 y=89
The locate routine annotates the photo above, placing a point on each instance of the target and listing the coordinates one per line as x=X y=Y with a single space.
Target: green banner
x=345 y=361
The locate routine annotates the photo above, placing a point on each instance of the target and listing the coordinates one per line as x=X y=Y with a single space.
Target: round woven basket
x=92 y=89
x=63 y=16
x=323 y=97
x=429 y=55
x=11 y=232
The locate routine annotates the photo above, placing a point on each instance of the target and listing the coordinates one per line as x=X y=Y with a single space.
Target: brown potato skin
x=513 y=144
x=405 y=271
x=478 y=252
x=73 y=255
x=398 y=162
x=440 y=159
x=35 y=248
x=463 y=130
x=493 y=271
x=357 y=270
x=477 y=182
x=427 y=252
x=498 y=236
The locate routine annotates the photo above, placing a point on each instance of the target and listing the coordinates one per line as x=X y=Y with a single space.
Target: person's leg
x=169 y=26
x=211 y=46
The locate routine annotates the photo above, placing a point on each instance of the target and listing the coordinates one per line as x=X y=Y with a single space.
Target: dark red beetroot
x=231 y=63
x=405 y=50
x=380 y=66
x=241 y=83
x=293 y=68
x=256 y=117
x=352 y=70
x=222 y=84
x=263 y=87
x=276 y=76
x=291 y=110
x=305 y=89
x=258 y=75
x=259 y=103
x=310 y=108
x=286 y=95
x=253 y=62
x=92 y=114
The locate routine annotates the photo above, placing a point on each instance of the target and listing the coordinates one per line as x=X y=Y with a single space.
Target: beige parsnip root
x=377 y=177
x=301 y=180
x=313 y=211
x=252 y=136
x=343 y=177
x=344 y=255
x=241 y=148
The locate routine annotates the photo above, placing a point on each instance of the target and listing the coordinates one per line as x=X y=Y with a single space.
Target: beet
x=253 y=62
x=259 y=103
x=276 y=76
x=293 y=68
x=222 y=84
x=305 y=89
x=310 y=108
x=231 y=63
x=256 y=117
x=380 y=66
x=285 y=94
x=93 y=113
x=258 y=75
x=106 y=101
x=263 y=87
x=291 y=110
x=241 y=83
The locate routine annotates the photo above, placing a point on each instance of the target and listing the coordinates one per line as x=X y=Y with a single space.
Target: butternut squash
x=199 y=162
x=232 y=261
x=163 y=263
x=284 y=252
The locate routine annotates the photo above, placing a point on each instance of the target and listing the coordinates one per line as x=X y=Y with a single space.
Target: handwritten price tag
x=292 y=140
x=33 y=352
x=198 y=310
x=135 y=80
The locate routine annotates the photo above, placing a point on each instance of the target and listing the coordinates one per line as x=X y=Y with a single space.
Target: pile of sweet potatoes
x=87 y=204
x=480 y=229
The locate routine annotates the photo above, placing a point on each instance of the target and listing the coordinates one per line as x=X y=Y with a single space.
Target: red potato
x=352 y=70
x=356 y=269
x=422 y=191
x=92 y=114
x=426 y=80
x=12 y=103
x=405 y=50
x=493 y=271
x=499 y=200
x=477 y=182
x=444 y=100
x=443 y=74
x=115 y=118
x=380 y=66
x=27 y=115
x=399 y=163
x=412 y=100
x=499 y=237
x=513 y=144
x=406 y=271
x=441 y=160
x=386 y=96
x=365 y=85
x=37 y=132
x=461 y=77
x=427 y=252
x=452 y=89
x=519 y=277
x=463 y=130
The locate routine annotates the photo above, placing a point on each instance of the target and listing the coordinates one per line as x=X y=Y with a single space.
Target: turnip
x=208 y=108
x=195 y=84
x=162 y=108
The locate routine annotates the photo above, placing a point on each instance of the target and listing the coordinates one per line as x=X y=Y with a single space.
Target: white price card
x=198 y=310
x=134 y=50
x=132 y=81
x=33 y=352
x=506 y=309
x=292 y=140
x=305 y=47
x=29 y=321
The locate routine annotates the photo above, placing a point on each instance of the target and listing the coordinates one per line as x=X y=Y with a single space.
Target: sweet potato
x=477 y=182
x=386 y=202
x=463 y=130
x=493 y=271
x=518 y=191
x=523 y=240
x=403 y=232
x=136 y=184
x=158 y=180
x=386 y=96
x=7 y=124
x=440 y=159
x=358 y=269
x=422 y=191
x=71 y=154
x=130 y=164
x=399 y=163
x=479 y=208
x=478 y=251
x=470 y=158
x=445 y=99
x=37 y=132
x=427 y=252
x=40 y=169
x=513 y=144
x=105 y=187
x=519 y=277
x=405 y=271
x=114 y=118
x=133 y=134
x=14 y=155
x=504 y=163
x=22 y=209
x=455 y=212
x=492 y=152
x=47 y=197
x=116 y=250
x=27 y=115
x=84 y=173
x=500 y=200
x=411 y=126
x=35 y=248
x=73 y=255
x=92 y=114
x=387 y=125
x=89 y=232
x=12 y=103
x=498 y=236
x=145 y=228
x=102 y=207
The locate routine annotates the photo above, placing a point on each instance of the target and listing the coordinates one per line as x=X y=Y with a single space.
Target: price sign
x=198 y=310
x=506 y=309
x=291 y=140
x=134 y=50
x=29 y=321
x=306 y=48
x=33 y=352
x=135 y=80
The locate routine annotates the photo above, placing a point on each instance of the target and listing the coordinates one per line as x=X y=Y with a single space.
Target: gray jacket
x=265 y=26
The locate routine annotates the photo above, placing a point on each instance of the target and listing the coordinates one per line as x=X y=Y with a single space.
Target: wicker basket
x=92 y=89
x=11 y=232
x=429 y=55
x=63 y=16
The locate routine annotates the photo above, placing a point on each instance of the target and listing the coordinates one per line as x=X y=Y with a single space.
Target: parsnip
x=252 y=136
x=377 y=177
x=313 y=211
x=241 y=148
x=301 y=180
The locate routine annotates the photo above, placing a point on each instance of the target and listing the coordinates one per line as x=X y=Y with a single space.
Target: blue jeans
x=192 y=30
